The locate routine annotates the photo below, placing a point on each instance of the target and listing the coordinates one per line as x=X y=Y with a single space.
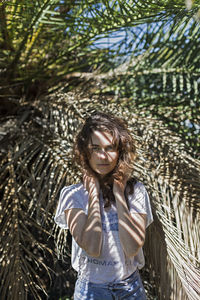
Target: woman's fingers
x=119 y=185
x=91 y=183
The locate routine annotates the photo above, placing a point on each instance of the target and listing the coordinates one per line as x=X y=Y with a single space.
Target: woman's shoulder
x=139 y=201
x=72 y=189
x=140 y=185
x=70 y=197
x=135 y=183
x=73 y=196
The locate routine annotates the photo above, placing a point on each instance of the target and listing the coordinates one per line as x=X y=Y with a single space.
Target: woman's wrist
x=94 y=195
x=119 y=195
x=93 y=200
x=121 y=202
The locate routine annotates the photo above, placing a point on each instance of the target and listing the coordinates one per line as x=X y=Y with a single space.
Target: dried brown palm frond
x=36 y=161
x=172 y=177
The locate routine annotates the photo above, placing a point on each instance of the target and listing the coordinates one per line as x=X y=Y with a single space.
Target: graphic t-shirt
x=112 y=265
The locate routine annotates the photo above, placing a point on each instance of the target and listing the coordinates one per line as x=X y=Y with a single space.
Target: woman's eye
x=98 y=149
x=95 y=148
x=110 y=148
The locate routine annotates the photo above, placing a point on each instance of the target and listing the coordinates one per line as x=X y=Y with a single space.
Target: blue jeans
x=130 y=288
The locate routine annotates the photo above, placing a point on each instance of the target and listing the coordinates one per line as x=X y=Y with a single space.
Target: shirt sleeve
x=70 y=197
x=139 y=202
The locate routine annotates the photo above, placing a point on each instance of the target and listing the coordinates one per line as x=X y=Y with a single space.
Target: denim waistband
x=114 y=284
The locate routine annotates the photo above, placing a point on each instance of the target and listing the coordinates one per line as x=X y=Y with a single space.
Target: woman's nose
x=103 y=154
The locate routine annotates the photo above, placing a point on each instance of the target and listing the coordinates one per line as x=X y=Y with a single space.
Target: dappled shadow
x=36 y=162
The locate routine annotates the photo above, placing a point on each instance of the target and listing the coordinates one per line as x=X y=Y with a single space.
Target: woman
x=107 y=213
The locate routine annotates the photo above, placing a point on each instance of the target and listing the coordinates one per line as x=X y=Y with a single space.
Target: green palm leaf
x=149 y=75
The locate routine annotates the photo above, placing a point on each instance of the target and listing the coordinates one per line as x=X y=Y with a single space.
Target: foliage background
x=54 y=71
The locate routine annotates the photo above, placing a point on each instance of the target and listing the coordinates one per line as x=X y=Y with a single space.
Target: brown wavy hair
x=125 y=143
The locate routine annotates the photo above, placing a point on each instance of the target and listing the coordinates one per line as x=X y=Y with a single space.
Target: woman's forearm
x=91 y=237
x=131 y=229
x=86 y=229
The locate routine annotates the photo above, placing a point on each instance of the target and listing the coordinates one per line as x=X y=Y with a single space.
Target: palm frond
x=40 y=163
x=149 y=76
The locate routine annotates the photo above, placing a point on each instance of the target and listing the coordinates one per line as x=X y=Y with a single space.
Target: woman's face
x=103 y=153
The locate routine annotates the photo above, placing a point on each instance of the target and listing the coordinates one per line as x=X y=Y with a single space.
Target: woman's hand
x=91 y=184
x=119 y=186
